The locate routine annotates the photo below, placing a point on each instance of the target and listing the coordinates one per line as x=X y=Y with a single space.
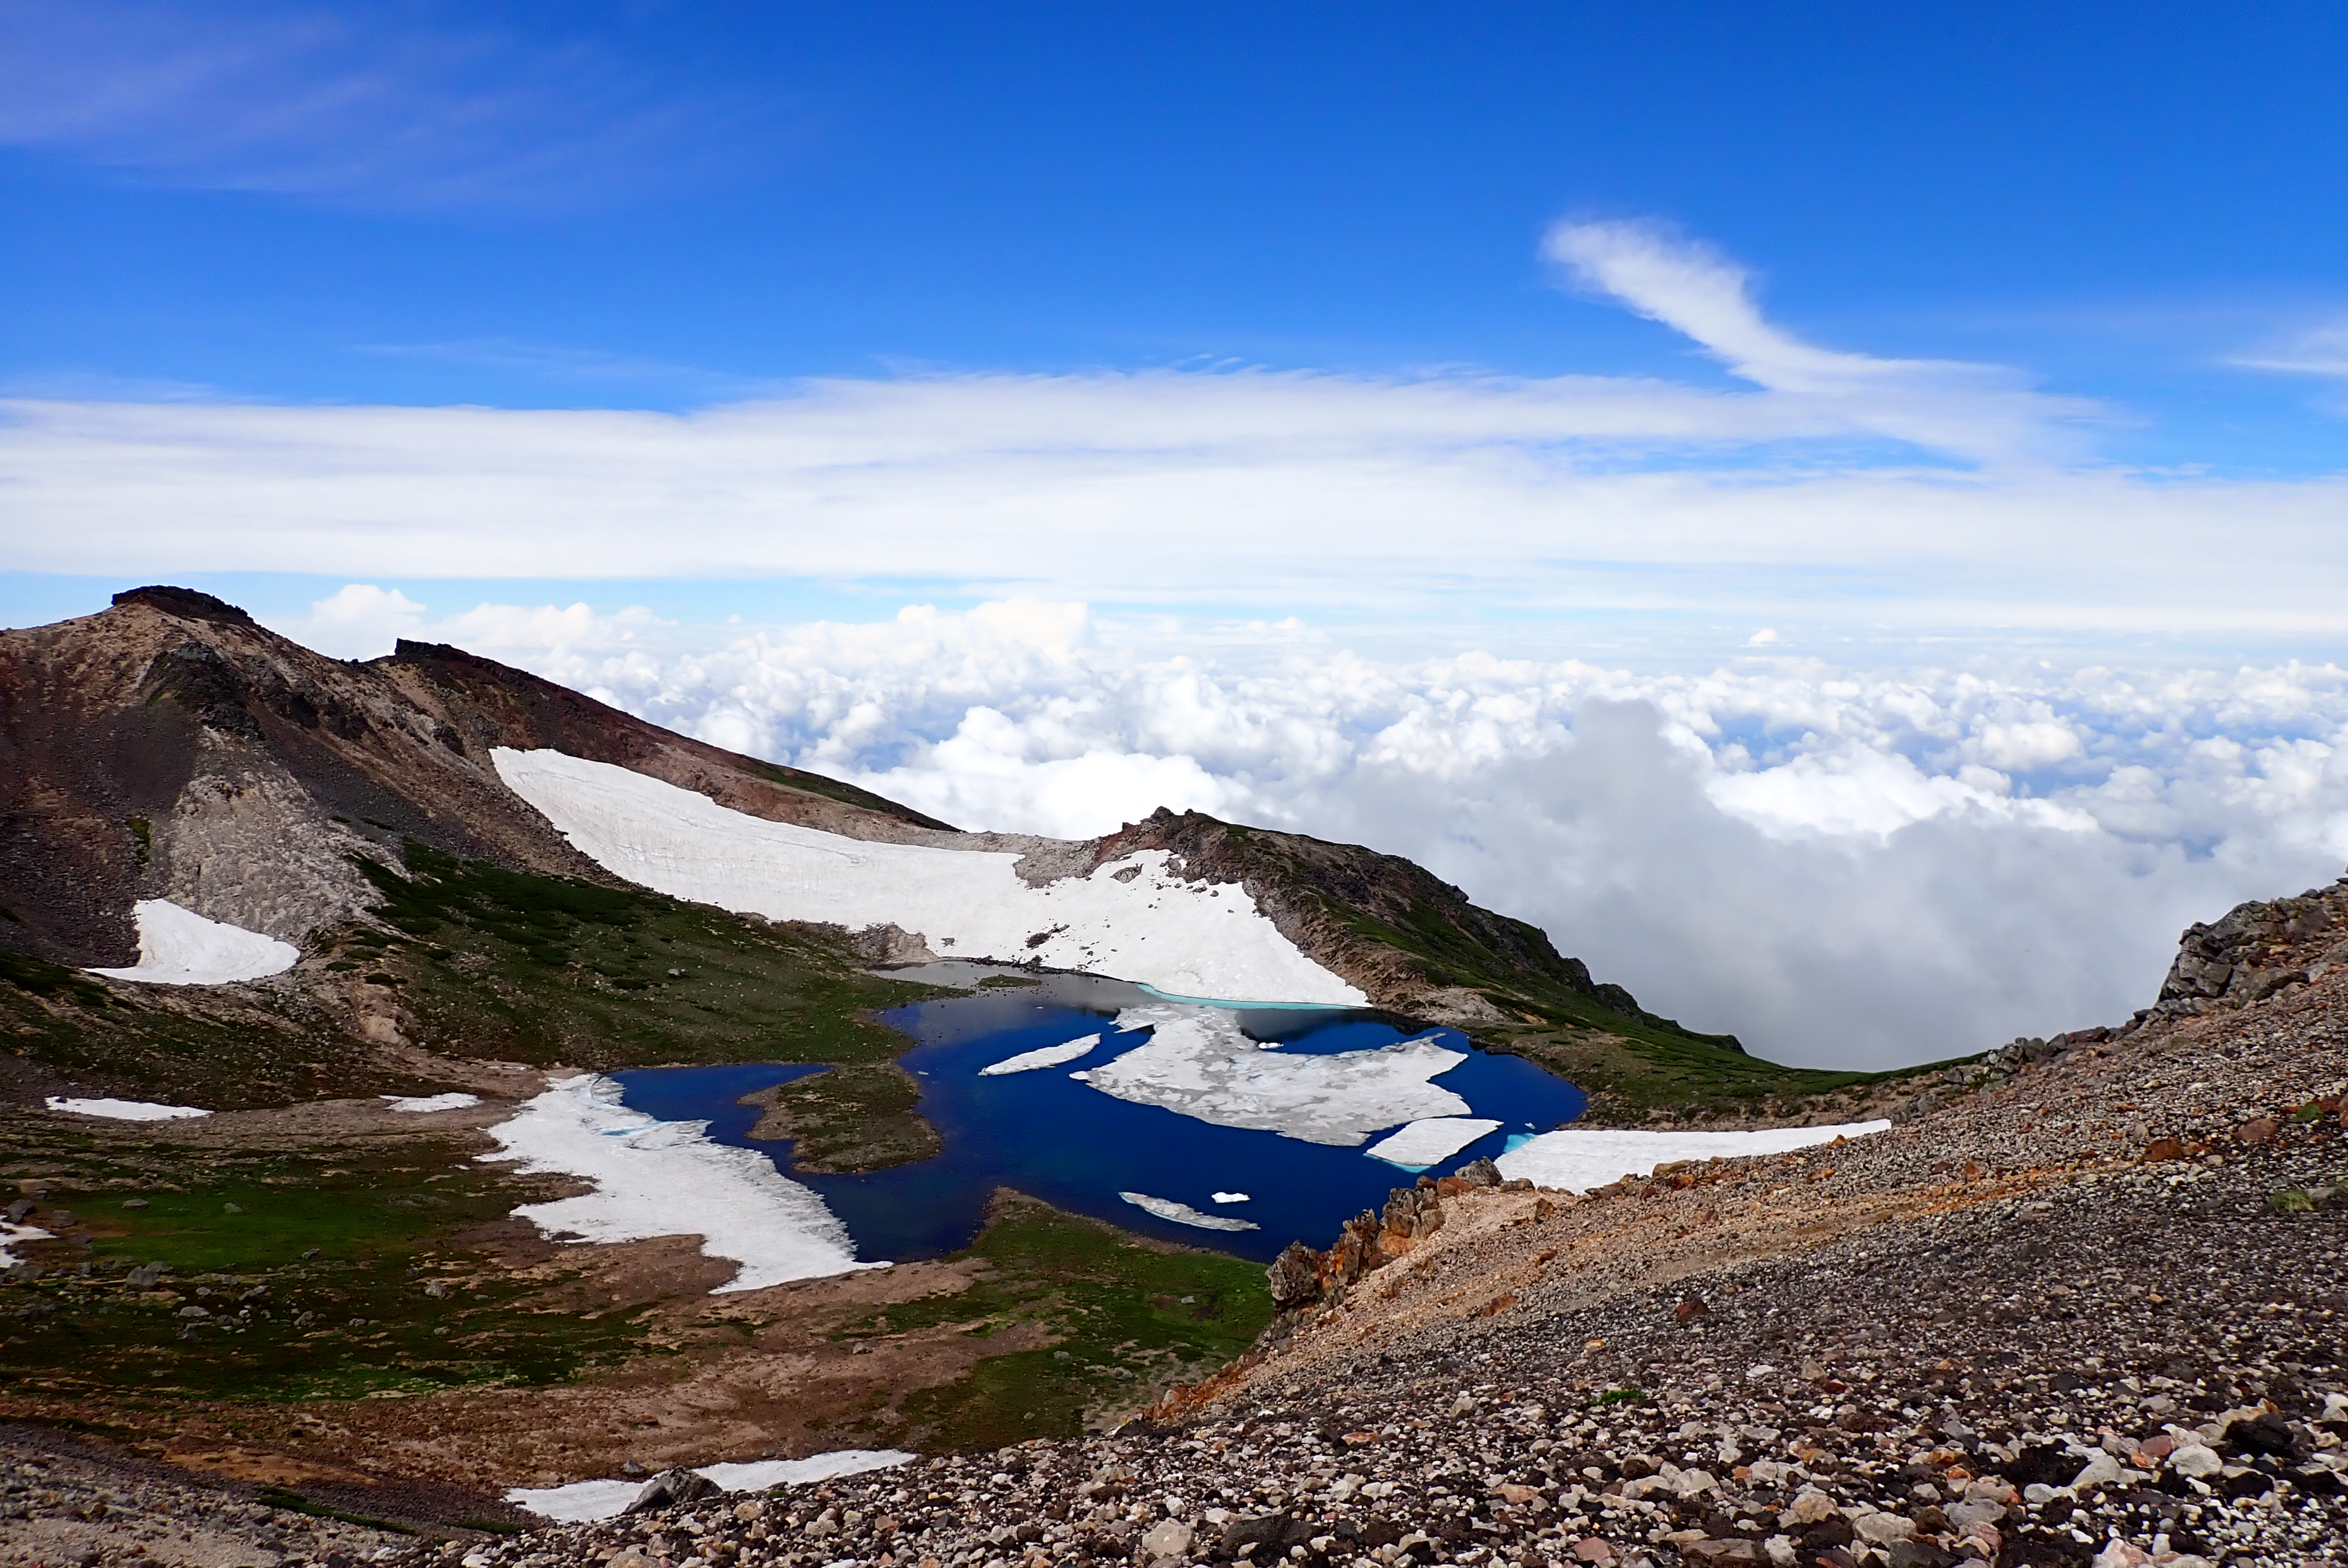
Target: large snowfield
x=177 y=946
x=655 y=1178
x=1576 y=1160
x=1200 y=1064
x=1131 y=919
x=583 y=1501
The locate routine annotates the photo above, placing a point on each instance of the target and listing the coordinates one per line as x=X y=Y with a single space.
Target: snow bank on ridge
x=177 y=946
x=1580 y=1159
x=1045 y=1056
x=1422 y=1144
x=424 y=1104
x=582 y=1501
x=1184 y=1215
x=1198 y=1063
x=659 y=1178
x=1194 y=938
x=126 y=1110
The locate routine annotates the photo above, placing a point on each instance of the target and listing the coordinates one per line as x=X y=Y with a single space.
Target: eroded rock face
x=2258 y=950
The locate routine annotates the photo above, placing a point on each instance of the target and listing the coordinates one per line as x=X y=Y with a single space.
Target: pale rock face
x=2196 y=1460
x=1168 y=1538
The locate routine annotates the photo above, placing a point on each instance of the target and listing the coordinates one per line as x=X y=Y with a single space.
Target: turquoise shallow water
x=1044 y=1134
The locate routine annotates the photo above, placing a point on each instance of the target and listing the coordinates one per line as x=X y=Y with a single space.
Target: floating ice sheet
x=177 y=946
x=1422 y=1144
x=1132 y=918
x=1231 y=1197
x=1578 y=1158
x=424 y=1104
x=1200 y=1064
x=126 y=1110
x=1184 y=1215
x=1045 y=1056
x=11 y=1234
x=668 y=1178
x=584 y=1500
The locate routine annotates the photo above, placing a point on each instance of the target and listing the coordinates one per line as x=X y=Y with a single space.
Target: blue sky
x=656 y=205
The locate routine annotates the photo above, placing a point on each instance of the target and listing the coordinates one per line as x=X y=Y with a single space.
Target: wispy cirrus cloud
x=354 y=106
x=1979 y=412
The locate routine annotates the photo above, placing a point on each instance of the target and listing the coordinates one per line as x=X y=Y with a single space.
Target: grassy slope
x=497 y=963
x=314 y=1282
x=1127 y=1317
x=1629 y=1061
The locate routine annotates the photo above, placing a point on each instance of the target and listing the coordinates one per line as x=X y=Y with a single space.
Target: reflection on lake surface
x=1077 y=1147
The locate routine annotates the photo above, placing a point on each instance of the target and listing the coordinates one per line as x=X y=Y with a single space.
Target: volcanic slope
x=170 y=755
x=2082 y=1307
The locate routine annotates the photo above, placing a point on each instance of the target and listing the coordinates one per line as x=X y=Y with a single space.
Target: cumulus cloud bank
x=1844 y=867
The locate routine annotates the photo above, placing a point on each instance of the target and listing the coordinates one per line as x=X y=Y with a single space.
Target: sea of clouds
x=1842 y=866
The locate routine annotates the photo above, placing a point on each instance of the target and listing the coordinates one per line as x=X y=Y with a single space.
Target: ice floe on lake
x=1578 y=1158
x=1184 y=1215
x=10 y=1234
x=654 y=1178
x=1198 y=1063
x=1231 y=1197
x=1046 y=1056
x=582 y=1501
x=424 y=1104
x=1423 y=1142
x=1131 y=918
x=126 y=1110
x=177 y=946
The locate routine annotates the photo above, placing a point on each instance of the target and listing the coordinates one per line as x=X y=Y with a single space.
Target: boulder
x=672 y=1487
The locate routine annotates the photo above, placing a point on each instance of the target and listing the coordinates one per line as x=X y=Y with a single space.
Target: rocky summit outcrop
x=2258 y=950
x=171 y=747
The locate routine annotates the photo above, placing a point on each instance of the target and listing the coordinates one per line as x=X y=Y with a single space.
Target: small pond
x=1073 y=1146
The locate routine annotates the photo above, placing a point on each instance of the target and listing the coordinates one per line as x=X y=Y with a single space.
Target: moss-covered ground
x=1125 y=1317
x=191 y=1272
x=857 y=1117
x=497 y=963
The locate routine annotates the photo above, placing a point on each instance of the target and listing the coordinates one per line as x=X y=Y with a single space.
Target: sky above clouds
x=1838 y=517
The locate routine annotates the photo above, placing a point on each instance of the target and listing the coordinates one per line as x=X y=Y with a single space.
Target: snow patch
x=655 y=1178
x=1184 y=1215
x=1580 y=1159
x=10 y=1234
x=1422 y=1144
x=1191 y=938
x=583 y=1502
x=1047 y=1056
x=177 y=946
x=424 y=1104
x=1231 y=1197
x=1198 y=1063
x=126 y=1110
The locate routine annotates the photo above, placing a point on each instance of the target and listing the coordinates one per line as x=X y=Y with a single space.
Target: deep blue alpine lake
x=1076 y=1148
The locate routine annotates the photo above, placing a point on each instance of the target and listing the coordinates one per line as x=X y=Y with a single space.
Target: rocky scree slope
x=2087 y=1310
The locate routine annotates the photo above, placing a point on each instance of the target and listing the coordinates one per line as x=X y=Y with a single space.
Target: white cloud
x=2319 y=350
x=1985 y=411
x=359 y=620
x=1843 y=865
x=1287 y=492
